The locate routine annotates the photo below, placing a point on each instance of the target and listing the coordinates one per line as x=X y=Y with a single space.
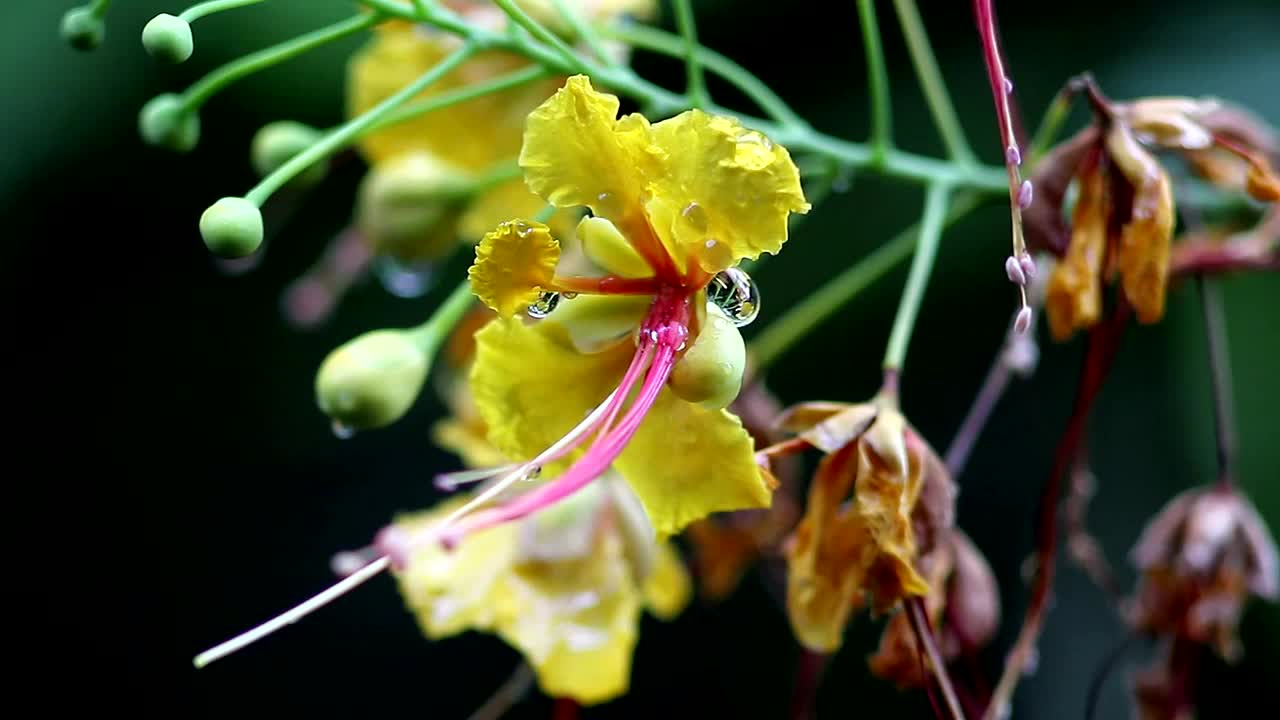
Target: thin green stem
x=1215 y=326
x=583 y=31
x=496 y=175
x=99 y=8
x=537 y=30
x=206 y=87
x=796 y=136
x=659 y=41
x=696 y=82
x=345 y=133
x=1050 y=124
x=878 y=80
x=935 y=212
x=431 y=334
x=800 y=319
x=195 y=12
x=931 y=82
x=461 y=95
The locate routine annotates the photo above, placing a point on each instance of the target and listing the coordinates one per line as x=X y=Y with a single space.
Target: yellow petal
x=686 y=462
x=474 y=134
x=452 y=591
x=667 y=591
x=1073 y=299
x=531 y=386
x=508 y=200
x=890 y=476
x=1143 y=255
x=575 y=622
x=725 y=192
x=578 y=153
x=514 y=264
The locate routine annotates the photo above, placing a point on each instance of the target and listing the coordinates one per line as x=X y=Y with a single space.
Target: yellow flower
x=561 y=587
x=846 y=554
x=675 y=205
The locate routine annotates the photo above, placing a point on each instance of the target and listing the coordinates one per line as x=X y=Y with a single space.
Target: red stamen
x=608 y=285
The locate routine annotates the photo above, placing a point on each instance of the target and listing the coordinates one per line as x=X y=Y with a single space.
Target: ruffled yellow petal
x=725 y=192
x=577 y=152
x=668 y=588
x=531 y=386
x=686 y=462
x=473 y=135
x=514 y=265
x=575 y=622
x=449 y=592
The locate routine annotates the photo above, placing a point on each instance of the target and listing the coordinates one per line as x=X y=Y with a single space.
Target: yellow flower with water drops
x=674 y=206
x=564 y=587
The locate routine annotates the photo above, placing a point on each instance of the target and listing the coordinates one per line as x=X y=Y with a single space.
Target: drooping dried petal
x=1073 y=299
x=1043 y=222
x=1143 y=255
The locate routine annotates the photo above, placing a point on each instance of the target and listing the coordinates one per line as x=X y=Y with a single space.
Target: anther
x=1013 y=269
x=1025 y=195
x=1023 y=323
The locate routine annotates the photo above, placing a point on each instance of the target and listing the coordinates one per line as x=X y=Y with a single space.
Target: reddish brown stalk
x=809 y=667
x=1102 y=346
x=565 y=709
x=928 y=645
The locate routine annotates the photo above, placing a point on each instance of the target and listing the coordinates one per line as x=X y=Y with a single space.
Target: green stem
x=935 y=210
x=797 y=137
x=345 y=133
x=432 y=333
x=195 y=12
x=782 y=334
x=498 y=174
x=878 y=79
x=99 y=8
x=461 y=95
x=935 y=88
x=1050 y=124
x=696 y=83
x=206 y=87
x=655 y=40
x=536 y=29
x=583 y=31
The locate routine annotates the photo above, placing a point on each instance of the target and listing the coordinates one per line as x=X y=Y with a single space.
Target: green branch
x=195 y=12
x=878 y=80
x=931 y=82
x=696 y=85
x=935 y=210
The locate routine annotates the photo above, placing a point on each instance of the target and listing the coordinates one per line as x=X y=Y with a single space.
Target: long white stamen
x=453 y=480
x=334 y=592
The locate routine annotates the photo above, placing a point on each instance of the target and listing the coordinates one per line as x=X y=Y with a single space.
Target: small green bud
x=232 y=227
x=710 y=373
x=168 y=38
x=372 y=380
x=404 y=204
x=166 y=122
x=82 y=29
x=278 y=142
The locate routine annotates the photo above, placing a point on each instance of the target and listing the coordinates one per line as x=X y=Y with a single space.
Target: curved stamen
x=607 y=285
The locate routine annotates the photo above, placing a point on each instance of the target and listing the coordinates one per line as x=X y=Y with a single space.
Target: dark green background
x=221 y=492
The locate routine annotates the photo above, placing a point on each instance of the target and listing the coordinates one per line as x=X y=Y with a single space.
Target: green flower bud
x=168 y=38
x=710 y=373
x=165 y=122
x=232 y=227
x=82 y=29
x=406 y=206
x=278 y=142
x=372 y=380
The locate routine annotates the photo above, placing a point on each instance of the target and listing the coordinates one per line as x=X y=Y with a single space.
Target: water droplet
x=736 y=294
x=523 y=229
x=695 y=215
x=533 y=473
x=544 y=305
x=343 y=431
x=404 y=279
x=568 y=295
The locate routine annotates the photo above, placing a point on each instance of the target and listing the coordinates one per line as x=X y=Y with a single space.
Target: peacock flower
x=880 y=498
x=564 y=586
x=674 y=207
x=1122 y=224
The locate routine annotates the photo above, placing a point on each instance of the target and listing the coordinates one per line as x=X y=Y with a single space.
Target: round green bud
x=278 y=142
x=82 y=29
x=710 y=373
x=168 y=38
x=232 y=227
x=166 y=122
x=405 y=203
x=372 y=380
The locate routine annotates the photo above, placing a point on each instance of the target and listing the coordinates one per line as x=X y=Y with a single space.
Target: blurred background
x=224 y=492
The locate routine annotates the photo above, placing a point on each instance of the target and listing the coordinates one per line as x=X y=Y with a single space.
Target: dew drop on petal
x=736 y=294
x=544 y=305
x=695 y=216
x=568 y=295
x=404 y=279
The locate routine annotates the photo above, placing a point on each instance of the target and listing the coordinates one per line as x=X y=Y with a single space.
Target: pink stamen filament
x=608 y=285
